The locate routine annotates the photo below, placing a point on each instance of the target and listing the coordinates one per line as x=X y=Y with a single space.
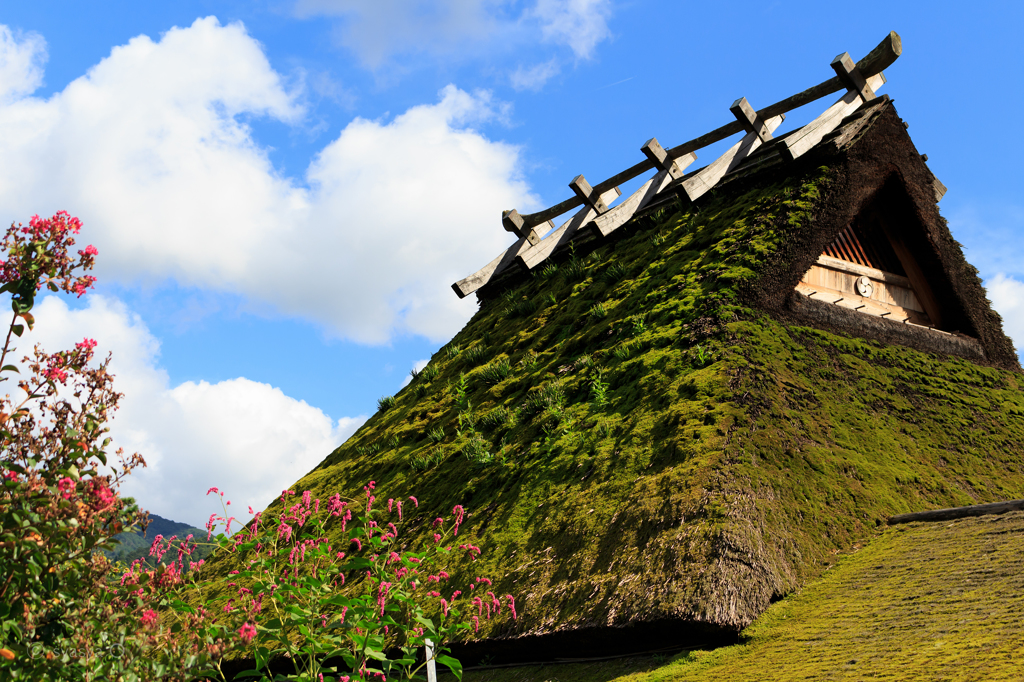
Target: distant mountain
x=134 y=545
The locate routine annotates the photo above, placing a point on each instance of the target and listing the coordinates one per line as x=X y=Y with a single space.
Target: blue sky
x=282 y=192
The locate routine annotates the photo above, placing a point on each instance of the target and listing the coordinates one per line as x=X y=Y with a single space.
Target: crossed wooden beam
x=538 y=238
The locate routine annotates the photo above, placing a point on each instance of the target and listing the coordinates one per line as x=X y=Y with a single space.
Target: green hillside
x=135 y=544
x=636 y=442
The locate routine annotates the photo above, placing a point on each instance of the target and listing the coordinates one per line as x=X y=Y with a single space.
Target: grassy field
x=922 y=601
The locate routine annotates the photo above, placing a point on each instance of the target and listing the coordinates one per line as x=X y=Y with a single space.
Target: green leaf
x=452 y=664
x=10 y=368
x=18 y=329
x=249 y=673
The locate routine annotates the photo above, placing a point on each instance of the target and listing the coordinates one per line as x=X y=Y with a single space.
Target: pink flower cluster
x=66 y=486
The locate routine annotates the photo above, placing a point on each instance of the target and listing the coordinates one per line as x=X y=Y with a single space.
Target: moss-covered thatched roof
x=656 y=437
x=924 y=601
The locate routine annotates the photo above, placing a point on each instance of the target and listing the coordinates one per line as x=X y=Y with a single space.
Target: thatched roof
x=919 y=602
x=662 y=437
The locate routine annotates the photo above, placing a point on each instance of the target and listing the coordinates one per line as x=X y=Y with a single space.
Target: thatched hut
x=665 y=430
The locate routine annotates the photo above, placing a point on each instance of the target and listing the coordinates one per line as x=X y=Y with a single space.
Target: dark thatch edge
x=959 y=512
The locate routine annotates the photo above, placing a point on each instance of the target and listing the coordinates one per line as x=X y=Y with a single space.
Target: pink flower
x=10 y=475
x=66 y=487
x=285 y=531
x=459 y=513
x=89 y=251
x=86 y=344
x=247 y=632
x=511 y=605
x=415 y=502
x=306 y=498
x=212 y=490
x=359 y=544
x=149 y=619
x=210 y=524
x=102 y=497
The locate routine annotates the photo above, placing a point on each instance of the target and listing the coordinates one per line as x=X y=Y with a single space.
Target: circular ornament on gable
x=864 y=286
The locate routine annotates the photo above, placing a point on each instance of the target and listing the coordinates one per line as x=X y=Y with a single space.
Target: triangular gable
x=865 y=268
x=879 y=261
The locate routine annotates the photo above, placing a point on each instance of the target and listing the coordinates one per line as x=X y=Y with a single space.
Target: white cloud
x=375 y=30
x=151 y=149
x=580 y=24
x=416 y=367
x=534 y=77
x=22 y=56
x=246 y=437
x=1007 y=296
x=378 y=30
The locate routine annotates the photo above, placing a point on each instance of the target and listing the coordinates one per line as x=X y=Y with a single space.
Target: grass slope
x=935 y=601
x=633 y=442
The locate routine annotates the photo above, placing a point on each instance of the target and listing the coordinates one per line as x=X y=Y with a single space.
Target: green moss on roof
x=632 y=442
x=921 y=601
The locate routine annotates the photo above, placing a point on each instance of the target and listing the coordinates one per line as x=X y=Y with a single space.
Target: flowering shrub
x=358 y=612
x=59 y=619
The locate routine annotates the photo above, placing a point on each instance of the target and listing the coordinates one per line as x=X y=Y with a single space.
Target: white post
x=431 y=667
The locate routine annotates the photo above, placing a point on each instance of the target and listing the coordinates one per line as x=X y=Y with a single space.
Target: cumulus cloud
x=377 y=30
x=534 y=77
x=1007 y=296
x=22 y=57
x=246 y=437
x=152 y=150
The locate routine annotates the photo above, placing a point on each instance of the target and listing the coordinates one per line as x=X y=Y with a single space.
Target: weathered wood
x=428 y=654
x=880 y=58
x=940 y=189
x=605 y=224
x=530 y=259
x=922 y=288
x=958 y=512
x=802 y=140
x=591 y=198
x=661 y=160
x=749 y=119
x=464 y=287
x=702 y=182
x=856 y=269
x=852 y=77
x=534 y=256
x=514 y=223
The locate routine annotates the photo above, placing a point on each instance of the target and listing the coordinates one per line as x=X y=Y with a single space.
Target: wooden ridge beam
x=802 y=140
x=880 y=58
x=531 y=258
x=705 y=180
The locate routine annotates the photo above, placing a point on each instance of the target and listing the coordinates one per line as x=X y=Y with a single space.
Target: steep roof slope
x=653 y=431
